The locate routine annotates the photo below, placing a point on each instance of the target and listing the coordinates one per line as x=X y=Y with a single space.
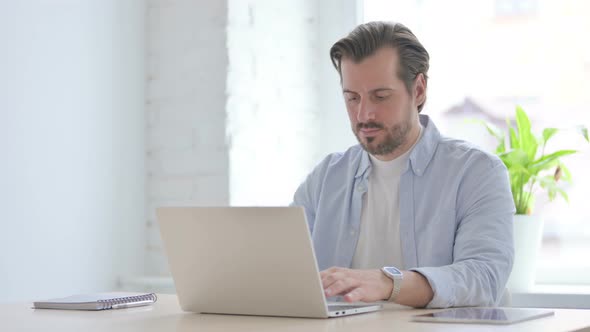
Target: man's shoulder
x=344 y=161
x=352 y=154
x=453 y=150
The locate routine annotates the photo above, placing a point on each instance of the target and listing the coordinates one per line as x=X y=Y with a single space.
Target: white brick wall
x=273 y=97
x=187 y=154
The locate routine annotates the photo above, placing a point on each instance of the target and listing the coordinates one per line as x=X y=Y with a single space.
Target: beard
x=395 y=136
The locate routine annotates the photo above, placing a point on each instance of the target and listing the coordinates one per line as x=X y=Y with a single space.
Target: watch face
x=393 y=270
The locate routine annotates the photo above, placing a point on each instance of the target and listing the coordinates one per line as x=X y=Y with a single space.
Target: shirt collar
x=419 y=157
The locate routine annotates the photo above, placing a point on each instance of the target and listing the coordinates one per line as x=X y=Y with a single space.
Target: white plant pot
x=528 y=232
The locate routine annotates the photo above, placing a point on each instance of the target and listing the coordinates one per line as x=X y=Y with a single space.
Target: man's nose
x=365 y=112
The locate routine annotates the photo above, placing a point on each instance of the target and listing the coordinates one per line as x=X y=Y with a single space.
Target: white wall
x=186 y=94
x=273 y=111
x=285 y=109
x=72 y=146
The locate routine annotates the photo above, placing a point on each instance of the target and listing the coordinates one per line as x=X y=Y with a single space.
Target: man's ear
x=420 y=89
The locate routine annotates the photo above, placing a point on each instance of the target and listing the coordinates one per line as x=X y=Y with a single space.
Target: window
x=489 y=56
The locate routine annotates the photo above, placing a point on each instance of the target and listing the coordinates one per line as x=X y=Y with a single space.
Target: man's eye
x=352 y=98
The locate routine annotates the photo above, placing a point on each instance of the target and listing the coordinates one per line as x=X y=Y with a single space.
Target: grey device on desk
x=501 y=316
x=246 y=261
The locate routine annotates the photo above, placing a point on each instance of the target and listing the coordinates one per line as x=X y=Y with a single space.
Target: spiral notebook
x=99 y=301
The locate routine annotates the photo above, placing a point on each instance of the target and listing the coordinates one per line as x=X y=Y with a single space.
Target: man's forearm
x=415 y=291
x=373 y=285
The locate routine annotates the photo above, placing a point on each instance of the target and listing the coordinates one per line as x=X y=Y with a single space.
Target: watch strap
x=397 y=283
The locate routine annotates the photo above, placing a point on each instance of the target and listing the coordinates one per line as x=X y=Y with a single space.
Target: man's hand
x=356 y=285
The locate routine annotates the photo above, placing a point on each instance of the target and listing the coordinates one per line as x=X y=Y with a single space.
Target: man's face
x=382 y=113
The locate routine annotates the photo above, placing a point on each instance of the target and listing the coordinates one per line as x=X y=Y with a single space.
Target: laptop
x=246 y=261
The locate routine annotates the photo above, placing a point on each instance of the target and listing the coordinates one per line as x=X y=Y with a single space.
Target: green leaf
x=584 y=131
x=567 y=175
x=501 y=148
x=514 y=142
x=519 y=178
x=515 y=157
x=530 y=145
x=563 y=194
x=552 y=193
x=526 y=138
x=523 y=124
x=548 y=133
x=548 y=183
x=549 y=160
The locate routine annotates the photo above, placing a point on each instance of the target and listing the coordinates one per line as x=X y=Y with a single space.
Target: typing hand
x=356 y=285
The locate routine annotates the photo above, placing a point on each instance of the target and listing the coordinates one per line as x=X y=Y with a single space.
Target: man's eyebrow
x=381 y=89
x=372 y=91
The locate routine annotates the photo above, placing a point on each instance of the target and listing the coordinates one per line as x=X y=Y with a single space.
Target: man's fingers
x=331 y=278
x=353 y=285
x=329 y=271
x=355 y=295
x=341 y=286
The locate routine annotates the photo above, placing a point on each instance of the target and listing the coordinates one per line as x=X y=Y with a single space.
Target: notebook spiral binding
x=108 y=304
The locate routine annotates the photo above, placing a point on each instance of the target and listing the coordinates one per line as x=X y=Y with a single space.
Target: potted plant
x=530 y=167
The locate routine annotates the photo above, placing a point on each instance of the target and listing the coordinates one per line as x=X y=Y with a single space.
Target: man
x=437 y=209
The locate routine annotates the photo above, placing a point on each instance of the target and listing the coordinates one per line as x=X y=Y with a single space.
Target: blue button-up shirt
x=456 y=213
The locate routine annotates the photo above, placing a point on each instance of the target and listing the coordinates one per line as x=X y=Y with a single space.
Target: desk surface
x=166 y=315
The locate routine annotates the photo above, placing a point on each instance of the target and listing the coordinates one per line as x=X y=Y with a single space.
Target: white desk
x=166 y=315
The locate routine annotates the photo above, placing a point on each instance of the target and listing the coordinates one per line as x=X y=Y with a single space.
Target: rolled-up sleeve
x=483 y=252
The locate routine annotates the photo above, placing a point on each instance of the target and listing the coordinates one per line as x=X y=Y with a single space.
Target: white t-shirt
x=379 y=241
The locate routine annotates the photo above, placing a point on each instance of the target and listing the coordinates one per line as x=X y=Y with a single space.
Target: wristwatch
x=397 y=276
